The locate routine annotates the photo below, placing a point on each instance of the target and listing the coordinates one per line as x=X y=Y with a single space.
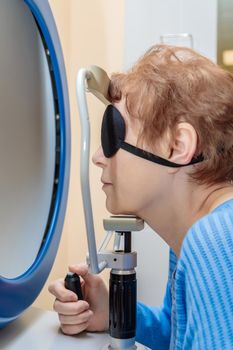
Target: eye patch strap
x=156 y=159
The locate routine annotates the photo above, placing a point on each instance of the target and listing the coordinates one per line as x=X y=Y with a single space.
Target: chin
x=114 y=211
x=117 y=209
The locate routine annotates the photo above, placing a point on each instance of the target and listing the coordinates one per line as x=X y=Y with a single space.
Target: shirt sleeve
x=154 y=323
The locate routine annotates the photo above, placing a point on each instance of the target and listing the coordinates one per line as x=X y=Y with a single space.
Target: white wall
x=145 y=22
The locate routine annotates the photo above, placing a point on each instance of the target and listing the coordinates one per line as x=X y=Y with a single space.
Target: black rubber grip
x=72 y=282
x=122 y=306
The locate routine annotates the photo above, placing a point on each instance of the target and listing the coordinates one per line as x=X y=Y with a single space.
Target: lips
x=105 y=182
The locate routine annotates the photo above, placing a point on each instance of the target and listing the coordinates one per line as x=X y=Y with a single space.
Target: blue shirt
x=197 y=312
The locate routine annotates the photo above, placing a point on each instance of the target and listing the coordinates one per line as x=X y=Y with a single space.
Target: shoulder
x=206 y=268
x=210 y=238
x=206 y=262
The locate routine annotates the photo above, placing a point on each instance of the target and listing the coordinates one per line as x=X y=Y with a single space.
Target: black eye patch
x=112 y=131
x=113 y=136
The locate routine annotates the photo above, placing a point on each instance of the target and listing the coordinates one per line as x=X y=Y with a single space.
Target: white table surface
x=39 y=330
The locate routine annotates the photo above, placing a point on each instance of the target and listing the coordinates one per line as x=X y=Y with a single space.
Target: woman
x=174 y=170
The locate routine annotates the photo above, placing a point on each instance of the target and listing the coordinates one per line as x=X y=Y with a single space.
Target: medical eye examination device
x=120 y=259
x=34 y=151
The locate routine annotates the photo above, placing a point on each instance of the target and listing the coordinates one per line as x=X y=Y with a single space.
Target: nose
x=99 y=159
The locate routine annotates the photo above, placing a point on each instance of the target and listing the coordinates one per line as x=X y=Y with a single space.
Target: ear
x=184 y=144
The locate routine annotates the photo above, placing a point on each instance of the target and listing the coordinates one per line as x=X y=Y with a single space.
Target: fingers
x=70 y=308
x=74 y=314
x=73 y=329
x=58 y=289
x=76 y=319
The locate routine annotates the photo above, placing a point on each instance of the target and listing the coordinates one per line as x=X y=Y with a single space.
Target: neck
x=175 y=214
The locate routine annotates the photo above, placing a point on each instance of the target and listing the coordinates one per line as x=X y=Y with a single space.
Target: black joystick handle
x=72 y=282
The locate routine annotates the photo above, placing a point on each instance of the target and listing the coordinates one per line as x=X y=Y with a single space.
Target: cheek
x=120 y=196
x=135 y=185
x=135 y=192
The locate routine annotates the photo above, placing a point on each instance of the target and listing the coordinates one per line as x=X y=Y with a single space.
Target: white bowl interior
x=27 y=139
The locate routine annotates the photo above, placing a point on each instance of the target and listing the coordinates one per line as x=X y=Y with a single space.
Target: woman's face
x=131 y=184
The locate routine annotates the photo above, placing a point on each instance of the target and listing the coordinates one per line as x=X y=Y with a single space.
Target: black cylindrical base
x=122 y=304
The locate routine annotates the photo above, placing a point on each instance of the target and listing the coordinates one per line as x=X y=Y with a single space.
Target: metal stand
x=134 y=347
x=122 y=283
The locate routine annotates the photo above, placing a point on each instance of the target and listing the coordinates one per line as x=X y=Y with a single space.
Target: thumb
x=82 y=270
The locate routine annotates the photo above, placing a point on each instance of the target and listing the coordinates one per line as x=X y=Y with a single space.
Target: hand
x=75 y=315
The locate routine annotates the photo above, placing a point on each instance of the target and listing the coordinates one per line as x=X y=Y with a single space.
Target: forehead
x=120 y=105
x=130 y=121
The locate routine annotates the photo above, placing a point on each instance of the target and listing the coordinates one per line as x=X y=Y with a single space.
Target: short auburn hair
x=172 y=84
